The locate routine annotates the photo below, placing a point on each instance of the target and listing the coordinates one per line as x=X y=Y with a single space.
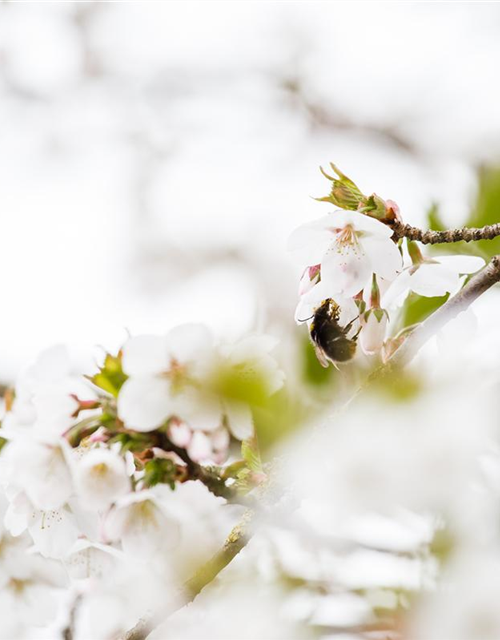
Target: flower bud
x=344 y=193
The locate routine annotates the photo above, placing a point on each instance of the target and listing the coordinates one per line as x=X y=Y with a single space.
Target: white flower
x=101 y=477
x=40 y=470
x=349 y=246
x=53 y=532
x=158 y=367
x=140 y=523
x=432 y=277
x=44 y=398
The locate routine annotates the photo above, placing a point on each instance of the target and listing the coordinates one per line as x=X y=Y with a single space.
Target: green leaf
x=160 y=470
x=434 y=220
x=251 y=455
x=111 y=377
x=417 y=308
x=484 y=211
x=312 y=371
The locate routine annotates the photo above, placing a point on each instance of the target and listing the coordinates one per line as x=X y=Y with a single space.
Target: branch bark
x=234 y=543
x=241 y=534
x=477 y=285
x=464 y=234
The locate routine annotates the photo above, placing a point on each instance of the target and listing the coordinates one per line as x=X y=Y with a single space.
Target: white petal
x=240 y=420
x=433 y=280
x=384 y=255
x=373 y=334
x=143 y=355
x=187 y=342
x=52 y=365
x=309 y=242
x=53 y=532
x=201 y=411
x=462 y=264
x=250 y=348
x=397 y=291
x=345 y=269
x=101 y=477
x=362 y=222
x=144 y=402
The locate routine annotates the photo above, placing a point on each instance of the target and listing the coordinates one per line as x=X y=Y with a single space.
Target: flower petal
x=187 y=342
x=462 y=264
x=144 y=402
x=144 y=355
x=434 y=280
x=345 y=269
x=397 y=291
x=240 y=420
x=384 y=255
x=362 y=222
x=309 y=242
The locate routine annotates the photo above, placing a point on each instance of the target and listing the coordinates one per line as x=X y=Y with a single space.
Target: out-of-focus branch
x=465 y=234
x=234 y=543
x=207 y=475
x=477 y=285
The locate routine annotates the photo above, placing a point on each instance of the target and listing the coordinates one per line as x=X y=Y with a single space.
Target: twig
x=477 y=285
x=464 y=234
x=234 y=543
x=240 y=535
x=207 y=475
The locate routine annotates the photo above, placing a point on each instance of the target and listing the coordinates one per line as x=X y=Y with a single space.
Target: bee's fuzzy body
x=330 y=340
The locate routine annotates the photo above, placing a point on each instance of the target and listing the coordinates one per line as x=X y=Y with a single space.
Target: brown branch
x=477 y=285
x=209 y=476
x=234 y=543
x=464 y=234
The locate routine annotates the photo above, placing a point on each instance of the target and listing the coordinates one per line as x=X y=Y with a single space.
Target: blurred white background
x=155 y=156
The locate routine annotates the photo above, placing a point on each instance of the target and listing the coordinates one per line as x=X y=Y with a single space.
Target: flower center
x=346 y=237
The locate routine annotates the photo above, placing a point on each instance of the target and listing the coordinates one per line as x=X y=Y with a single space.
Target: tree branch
x=464 y=234
x=477 y=285
x=234 y=543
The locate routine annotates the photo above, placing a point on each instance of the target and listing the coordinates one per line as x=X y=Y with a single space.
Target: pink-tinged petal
x=385 y=258
x=434 y=280
x=345 y=269
x=200 y=447
x=240 y=420
x=188 y=342
x=144 y=403
x=309 y=279
x=144 y=355
x=180 y=433
x=462 y=264
x=220 y=440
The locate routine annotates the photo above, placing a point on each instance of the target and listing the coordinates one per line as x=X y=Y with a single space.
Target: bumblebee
x=328 y=337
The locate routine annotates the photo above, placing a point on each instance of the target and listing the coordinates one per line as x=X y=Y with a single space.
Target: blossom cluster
x=88 y=466
x=350 y=257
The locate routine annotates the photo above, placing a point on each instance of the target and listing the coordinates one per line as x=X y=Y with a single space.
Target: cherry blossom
x=101 y=477
x=140 y=523
x=349 y=246
x=430 y=277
